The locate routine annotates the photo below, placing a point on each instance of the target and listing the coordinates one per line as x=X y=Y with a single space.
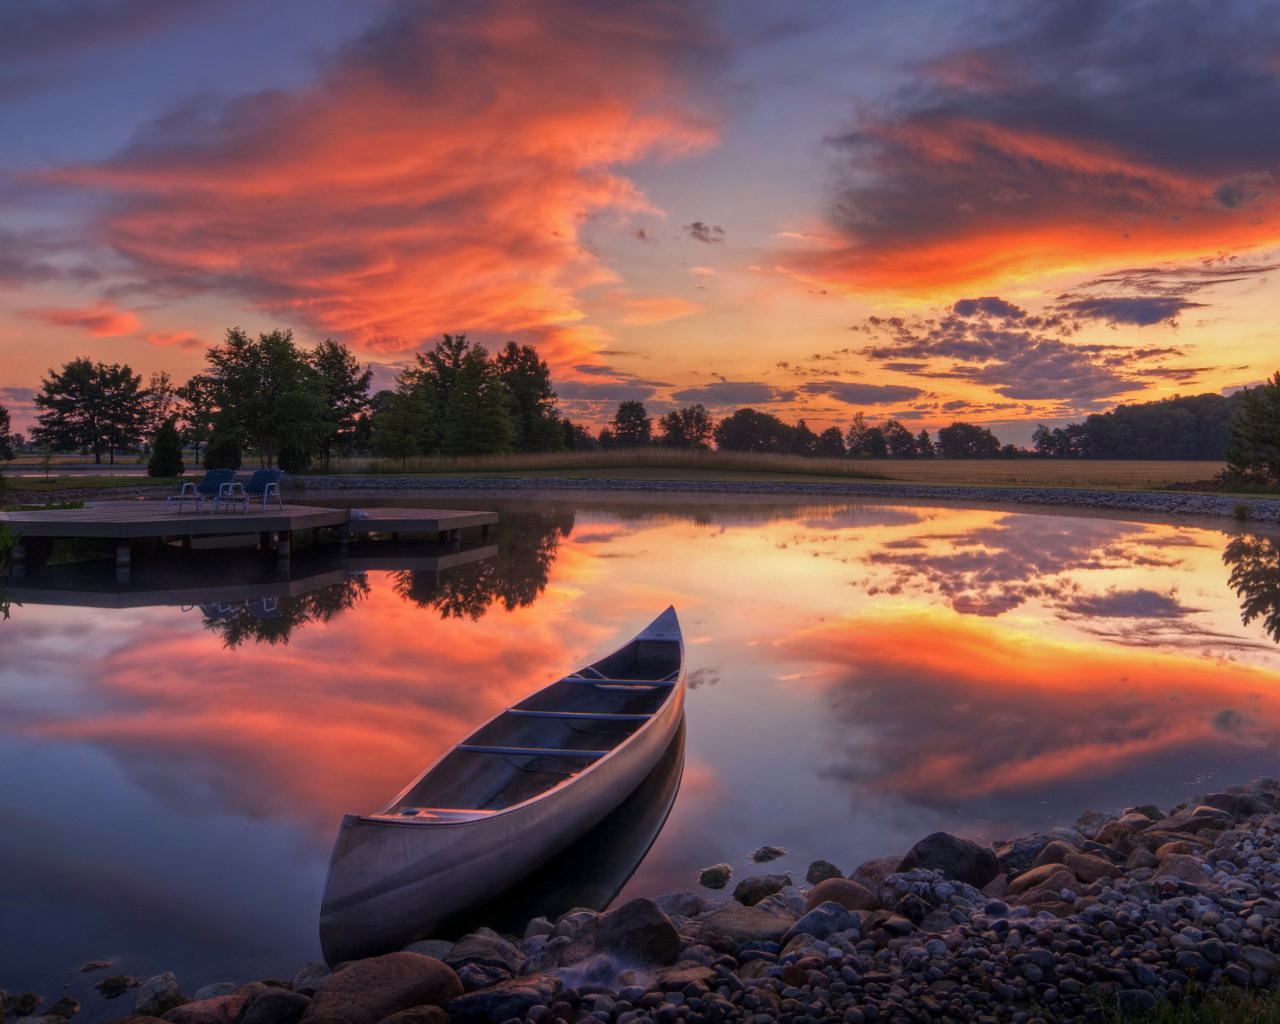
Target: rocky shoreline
x=1172 y=503
x=1123 y=911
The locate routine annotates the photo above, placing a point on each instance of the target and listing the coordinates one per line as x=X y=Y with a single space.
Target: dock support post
x=264 y=540
x=19 y=559
x=344 y=538
x=484 y=532
x=122 y=561
x=284 y=543
x=455 y=538
x=395 y=534
x=186 y=542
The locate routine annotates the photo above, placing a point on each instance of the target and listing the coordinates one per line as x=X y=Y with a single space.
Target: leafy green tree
x=830 y=444
x=91 y=405
x=162 y=402
x=528 y=381
x=477 y=418
x=924 y=445
x=224 y=451
x=967 y=441
x=606 y=440
x=166 y=451
x=346 y=391
x=901 y=444
x=434 y=373
x=686 y=428
x=1255 y=432
x=632 y=427
x=583 y=439
x=268 y=391
x=198 y=410
x=748 y=430
x=6 y=446
x=403 y=426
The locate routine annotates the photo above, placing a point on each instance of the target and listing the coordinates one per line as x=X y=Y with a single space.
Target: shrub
x=222 y=452
x=1243 y=510
x=294 y=459
x=166 y=452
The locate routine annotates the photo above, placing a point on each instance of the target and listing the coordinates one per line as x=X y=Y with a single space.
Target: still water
x=859 y=675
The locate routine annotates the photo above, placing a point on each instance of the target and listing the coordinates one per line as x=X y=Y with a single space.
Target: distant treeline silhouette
x=1194 y=427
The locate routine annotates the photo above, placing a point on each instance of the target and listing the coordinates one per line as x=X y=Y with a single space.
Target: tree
x=803 y=440
x=632 y=427
x=224 y=451
x=403 y=426
x=199 y=409
x=901 y=444
x=1255 y=433
x=162 y=402
x=268 y=393
x=91 y=405
x=1255 y=577
x=583 y=441
x=748 y=430
x=830 y=444
x=6 y=446
x=875 y=444
x=347 y=391
x=856 y=438
x=477 y=418
x=528 y=381
x=686 y=428
x=166 y=451
x=924 y=445
x=967 y=441
x=606 y=441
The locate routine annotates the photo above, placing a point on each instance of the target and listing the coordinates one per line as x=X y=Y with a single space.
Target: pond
x=859 y=676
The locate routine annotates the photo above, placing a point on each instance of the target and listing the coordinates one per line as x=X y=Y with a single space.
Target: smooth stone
x=368 y=990
x=685 y=973
x=956 y=858
x=686 y=903
x=874 y=871
x=438 y=948
x=312 y=976
x=639 y=931
x=1183 y=868
x=511 y=999
x=820 y=870
x=158 y=995
x=823 y=921
x=1260 y=959
x=739 y=924
x=1136 y=821
x=844 y=891
x=1089 y=823
x=780 y=905
x=1017 y=855
x=767 y=853
x=478 y=976
x=1035 y=877
x=548 y=957
x=213 y=1010
x=753 y=889
x=482 y=950
x=1141 y=858
x=1089 y=868
x=274 y=1006
x=1054 y=853
x=218 y=988
x=715 y=877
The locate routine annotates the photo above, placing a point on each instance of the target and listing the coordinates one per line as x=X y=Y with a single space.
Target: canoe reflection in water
x=507 y=801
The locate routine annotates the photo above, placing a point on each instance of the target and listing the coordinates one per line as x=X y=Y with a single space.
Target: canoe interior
x=526 y=755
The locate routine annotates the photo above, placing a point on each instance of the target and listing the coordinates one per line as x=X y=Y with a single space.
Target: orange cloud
x=183 y=339
x=1046 y=712
x=958 y=203
x=434 y=179
x=100 y=321
x=652 y=310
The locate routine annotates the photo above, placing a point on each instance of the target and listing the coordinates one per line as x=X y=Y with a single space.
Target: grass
x=1221 y=1005
x=40 y=486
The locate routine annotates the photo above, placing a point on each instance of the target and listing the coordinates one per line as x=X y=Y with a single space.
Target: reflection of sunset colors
x=957 y=708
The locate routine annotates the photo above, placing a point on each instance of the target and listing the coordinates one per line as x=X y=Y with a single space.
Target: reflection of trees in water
x=1255 y=577
x=516 y=575
x=273 y=620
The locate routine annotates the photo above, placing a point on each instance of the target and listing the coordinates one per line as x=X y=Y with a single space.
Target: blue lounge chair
x=195 y=493
x=264 y=483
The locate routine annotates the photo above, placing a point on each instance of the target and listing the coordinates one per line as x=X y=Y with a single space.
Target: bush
x=294 y=459
x=222 y=452
x=166 y=452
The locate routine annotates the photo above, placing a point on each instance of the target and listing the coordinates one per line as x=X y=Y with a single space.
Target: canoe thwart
x=473 y=748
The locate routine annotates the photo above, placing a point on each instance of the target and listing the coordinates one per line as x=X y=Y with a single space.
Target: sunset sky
x=1005 y=212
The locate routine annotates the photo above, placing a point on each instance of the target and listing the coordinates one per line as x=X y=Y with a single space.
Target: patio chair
x=264 y=483
x=195 y=493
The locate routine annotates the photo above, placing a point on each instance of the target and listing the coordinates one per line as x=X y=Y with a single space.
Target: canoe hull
x=393 y=882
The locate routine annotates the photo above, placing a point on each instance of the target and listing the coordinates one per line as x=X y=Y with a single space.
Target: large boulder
x=368 y=990
x=956 y=858
x=739 y=924
x=510 y=999
x=752 y=890
x=820 y=871
x=684 y=903
x=158 y=995
x=1089 y=868
x=1181 y=868
x=312 y=976
x=214 y=1010
x=823 y=921
x=874 y=871
x=1035 y=877
x=640 y=932
x=844 y=891
x=274 y=1006
x=1016 y=855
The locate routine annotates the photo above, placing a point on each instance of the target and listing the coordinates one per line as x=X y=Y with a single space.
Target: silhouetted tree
x=803 y=440
x=166 y=451
x=528 y=381
x=477 y=418
x=632 y=427
x=91 y=405
x=347 y=391
x=1255 y=433
x=1255 y=577
x=199 y=408
x=583 y=439
x=6 y=439
x=856 y=439
x=875 y=444
x=924 y=446
x=687 y=428
x=901 y=444
x=1182 y=427
x=967 y=441
x=748 y=430
x=830 y=444
x=404 y=425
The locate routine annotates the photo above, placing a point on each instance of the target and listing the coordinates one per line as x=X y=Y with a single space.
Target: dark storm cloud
x=705 y=232
x=622 y=375
x=612 y=391
x=30 y=29
x=862 y=394
x=732 y=392
x=1143 y=311
x=997 y=344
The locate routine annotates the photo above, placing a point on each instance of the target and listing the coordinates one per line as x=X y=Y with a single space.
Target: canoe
x=506 y=800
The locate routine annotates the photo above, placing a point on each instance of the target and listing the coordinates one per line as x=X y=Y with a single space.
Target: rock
x=478 y=976
x=418 y=1015
x=686 y=973
x=1136 y=821
x=214 y=1010
x=66 y=1007
x=115 y=986
x=937 y=921
x=1054 y=853
x=511 y=999
x=715 y=877
x=752 y=890
x=1017 y=855
x=438 y=948
x=768 y=853
x=538 y=926
x=1141 y=858
x=219 y=988
x=1113 y=831
x=1035 y=877
x=686 y=903
x=956 y=858
x=485 y=951
x=158 y=995
x=1260 y=959
x=1090 y=822
x=1089 y=868
x=1049 y=890
x=872 y=872
x=1169 y=849
x=820 y=871
x=639 y=932
x=822 y=921
x=274 y=1006
x=1181 y=867
x=550 y=956
x=794 y=899
x=20 y=1006
x=1149 y=810
x=739 y=924
x=368 y=990
x=844 y=891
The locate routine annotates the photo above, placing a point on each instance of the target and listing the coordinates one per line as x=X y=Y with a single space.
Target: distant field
x=1109 y=475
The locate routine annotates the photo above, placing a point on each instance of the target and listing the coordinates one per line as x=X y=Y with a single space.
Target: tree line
x=1192 y=427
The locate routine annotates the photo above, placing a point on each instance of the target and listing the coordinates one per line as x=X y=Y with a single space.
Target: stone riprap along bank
x=1119 y=912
